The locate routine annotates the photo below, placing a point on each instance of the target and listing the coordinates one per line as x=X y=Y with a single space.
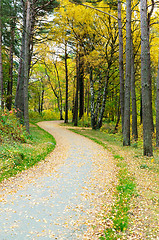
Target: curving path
x=62 y=197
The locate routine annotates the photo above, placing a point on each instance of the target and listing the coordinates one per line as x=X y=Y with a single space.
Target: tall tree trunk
x=100 y=118
x=42 y=98
x=118 y=119
x=75 y=111
x=150 y=78
x=133 y=96
x=121 y=68
x=126 y=132
x=145 y=81
x=88 y=99
x=10 y=81
x=81 y=83
x=19 y=98
x=26 y=64
x=39 y=102
x=66 y=72
x=93 y=118
x=98 y=101
x=157 y=106
x=141 y=108
x=1 y=67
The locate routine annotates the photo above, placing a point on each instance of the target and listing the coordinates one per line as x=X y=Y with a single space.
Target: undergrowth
x=18 y=150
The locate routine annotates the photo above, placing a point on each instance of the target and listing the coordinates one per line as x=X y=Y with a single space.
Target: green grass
x=125 y=190
x=16 y=157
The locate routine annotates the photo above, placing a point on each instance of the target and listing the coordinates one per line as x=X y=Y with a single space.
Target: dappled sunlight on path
x=62 y=197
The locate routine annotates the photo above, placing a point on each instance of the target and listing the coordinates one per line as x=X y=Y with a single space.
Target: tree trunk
x=26 y=64
x=150 y=79
x=121 y=68
x=141 y=108
x=88 y=100
x=75 y=112
x=100 y=118
x=126 y=132
x=157 y=106
x=145 y=81
x=118 y=119
x=81 y=83
x=39 y=102
x=10 y=81
x=66 y=72
x=42 y=98
x=133 y=96
x=93 y=118
x=1 y=67
x=19 y=98
x=98 y=98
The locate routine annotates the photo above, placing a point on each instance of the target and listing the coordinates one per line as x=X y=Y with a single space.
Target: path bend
x=62 y=197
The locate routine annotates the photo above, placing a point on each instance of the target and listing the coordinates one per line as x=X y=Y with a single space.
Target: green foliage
x=16 y=157
x=50 y=115
x=10 y=127
x=118 y=157
x=46 y=115
x=143 y=166
x=85 y=121
x=35 y=117
x=108 y=126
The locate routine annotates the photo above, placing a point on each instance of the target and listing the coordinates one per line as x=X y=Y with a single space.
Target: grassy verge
x=125 y=190
x=16 y=157
x=136 y=197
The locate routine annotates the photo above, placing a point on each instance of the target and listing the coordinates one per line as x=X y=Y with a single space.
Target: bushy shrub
x=47 y=115
x=85 y=121
x=10 y=127
x=108 y=128
x=50 y=115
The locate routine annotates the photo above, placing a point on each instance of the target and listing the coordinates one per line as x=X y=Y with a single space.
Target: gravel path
x=62 y=197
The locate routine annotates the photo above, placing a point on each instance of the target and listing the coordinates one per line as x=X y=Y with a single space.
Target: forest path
x=61 y=197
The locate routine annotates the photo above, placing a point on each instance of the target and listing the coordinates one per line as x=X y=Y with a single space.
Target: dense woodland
x=97 y=60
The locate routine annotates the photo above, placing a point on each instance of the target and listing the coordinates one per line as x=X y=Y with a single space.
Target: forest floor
x=83 y=191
